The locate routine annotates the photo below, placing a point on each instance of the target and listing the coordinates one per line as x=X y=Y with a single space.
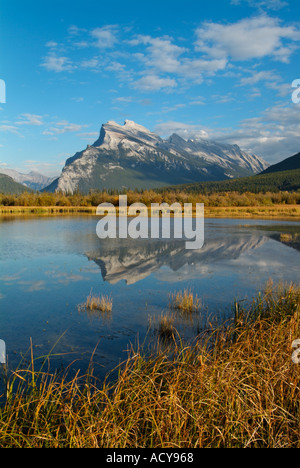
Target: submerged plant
x=166 y=329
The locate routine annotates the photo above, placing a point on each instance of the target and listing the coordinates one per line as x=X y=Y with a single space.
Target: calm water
x=48 y=266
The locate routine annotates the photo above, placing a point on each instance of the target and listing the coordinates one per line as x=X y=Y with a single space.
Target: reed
x=99 y=303
x=163 y=326
x=235 y=387
x=185 y=301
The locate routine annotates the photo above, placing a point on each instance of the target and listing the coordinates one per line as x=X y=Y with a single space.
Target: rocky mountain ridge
x=33 y=180
x=131 y=156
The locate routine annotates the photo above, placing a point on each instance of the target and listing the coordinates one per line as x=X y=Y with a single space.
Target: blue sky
x=220 y=70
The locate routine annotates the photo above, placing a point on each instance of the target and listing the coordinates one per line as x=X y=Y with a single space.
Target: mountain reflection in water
x=134 y=260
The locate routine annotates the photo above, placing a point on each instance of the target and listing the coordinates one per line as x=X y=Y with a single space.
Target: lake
x=49 y=266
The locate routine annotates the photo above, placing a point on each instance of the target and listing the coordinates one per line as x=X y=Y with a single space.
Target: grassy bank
x=235 y=387
x=272 y=211
x=291 y=212
x=220 y=204
x=46 y=210
x=281 y=205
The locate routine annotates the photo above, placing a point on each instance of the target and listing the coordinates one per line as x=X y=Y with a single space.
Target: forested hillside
x=9 y=186
x=274 y=182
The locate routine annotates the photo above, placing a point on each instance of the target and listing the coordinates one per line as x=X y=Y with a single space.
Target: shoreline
x=281 y=212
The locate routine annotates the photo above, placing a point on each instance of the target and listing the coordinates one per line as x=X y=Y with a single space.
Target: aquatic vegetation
x=185 y=301
x=97 y=303
x=163 y=326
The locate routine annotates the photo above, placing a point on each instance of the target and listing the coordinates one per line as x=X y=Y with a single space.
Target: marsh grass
x=235 y=387
x=163 y=326
x=185 y=301
x=96 y=304
x=184 y=308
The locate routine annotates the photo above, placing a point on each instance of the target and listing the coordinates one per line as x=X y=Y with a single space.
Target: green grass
x=235 y=387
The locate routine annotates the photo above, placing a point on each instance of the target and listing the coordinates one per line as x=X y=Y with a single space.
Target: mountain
x=130 y=156
x=33 y=180
x=9 y=186
x=288 y=164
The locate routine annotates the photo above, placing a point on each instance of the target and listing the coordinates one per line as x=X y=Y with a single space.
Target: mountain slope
x=130 y=156
x=285 y=181
x=33 y=180
x=9 y=186
x=288 y=164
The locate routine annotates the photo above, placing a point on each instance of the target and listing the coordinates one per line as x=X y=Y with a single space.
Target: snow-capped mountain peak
x=132 y=156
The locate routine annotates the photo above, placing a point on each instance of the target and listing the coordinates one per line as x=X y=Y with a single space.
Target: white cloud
x=52 y=44
x=153 y=82
x=271 y=81
x=106 y=37
x=30 y=119
x=198 y=101
x=263 y=4
x=10 y=129
x=162 y=56
x=184 y=130
x=115 y=67
x=63 y=127
x=123 y=99
x=275 y=135
x=161 y=53
x=92 y=63
x=250 y=38
x=196 y=68
x=57 y=64
x=75 y=30
x=256 y=77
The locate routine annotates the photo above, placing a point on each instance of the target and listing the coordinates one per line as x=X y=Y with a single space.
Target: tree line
x=95 y=198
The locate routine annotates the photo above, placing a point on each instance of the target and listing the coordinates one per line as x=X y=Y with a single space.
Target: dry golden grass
x=185 y=301
x=97 y=304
